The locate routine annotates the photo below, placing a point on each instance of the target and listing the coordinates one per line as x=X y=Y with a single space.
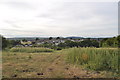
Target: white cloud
x=58 y=18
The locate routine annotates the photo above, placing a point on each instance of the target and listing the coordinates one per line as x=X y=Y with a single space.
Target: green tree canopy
x=50 y=38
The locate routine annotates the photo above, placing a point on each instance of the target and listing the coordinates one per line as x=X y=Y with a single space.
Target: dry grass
x=45 y=65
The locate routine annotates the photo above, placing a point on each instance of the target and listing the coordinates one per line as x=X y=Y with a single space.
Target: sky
x=45 y=18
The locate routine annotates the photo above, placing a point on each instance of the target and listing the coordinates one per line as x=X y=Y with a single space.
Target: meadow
x=67 y=63
x=31 y=49
x=98 y=59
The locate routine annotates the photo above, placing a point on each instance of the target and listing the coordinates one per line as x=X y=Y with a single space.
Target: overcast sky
x=44 y=18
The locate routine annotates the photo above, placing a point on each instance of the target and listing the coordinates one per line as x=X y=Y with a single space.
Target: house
x=26 y=43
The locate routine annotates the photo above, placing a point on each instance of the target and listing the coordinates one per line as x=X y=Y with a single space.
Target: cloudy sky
x=44 y=18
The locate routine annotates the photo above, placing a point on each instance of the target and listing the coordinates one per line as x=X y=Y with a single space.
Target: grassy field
x=98 y=59
x=67 y=63
x=30 y=49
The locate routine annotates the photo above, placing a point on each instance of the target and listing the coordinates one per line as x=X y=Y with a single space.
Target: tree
x=118 y=39
x=37 y=39
x=50 y=38
x=24 y=40
x=86 y=43
x=89 y=43
x=111 y=42
x=14 y=42
x=5 y=42
x=71 y=43
x=63 y=45
x=95 y=43
x=58 y=38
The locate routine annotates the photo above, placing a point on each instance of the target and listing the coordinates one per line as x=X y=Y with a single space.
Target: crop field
x=66 y=63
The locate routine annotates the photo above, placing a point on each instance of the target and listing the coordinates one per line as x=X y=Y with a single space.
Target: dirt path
x=43 y=66
x=60 y=68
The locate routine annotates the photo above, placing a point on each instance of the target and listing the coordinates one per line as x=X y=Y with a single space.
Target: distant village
x=58 y=43
x=54 y=41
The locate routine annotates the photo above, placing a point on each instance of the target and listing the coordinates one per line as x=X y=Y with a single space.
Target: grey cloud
x=12 y=24
x=16 y=30
x=75 y=11
x=18 y=4
x=67 y=18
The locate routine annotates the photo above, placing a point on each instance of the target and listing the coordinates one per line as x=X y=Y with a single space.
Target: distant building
x=26 y=43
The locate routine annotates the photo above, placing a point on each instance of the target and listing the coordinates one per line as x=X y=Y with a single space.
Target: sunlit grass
x=31 y=49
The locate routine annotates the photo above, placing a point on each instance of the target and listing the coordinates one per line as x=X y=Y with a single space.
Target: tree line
x=106 y=42
x=111 y=42
x=8 y=43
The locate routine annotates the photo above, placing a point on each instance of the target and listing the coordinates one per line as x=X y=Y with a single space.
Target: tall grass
x=94 y=58
x=30 y=49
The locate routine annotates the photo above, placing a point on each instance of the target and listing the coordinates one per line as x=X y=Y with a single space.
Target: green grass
x=94 y=58
x=103 y=63
x=31 y=49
